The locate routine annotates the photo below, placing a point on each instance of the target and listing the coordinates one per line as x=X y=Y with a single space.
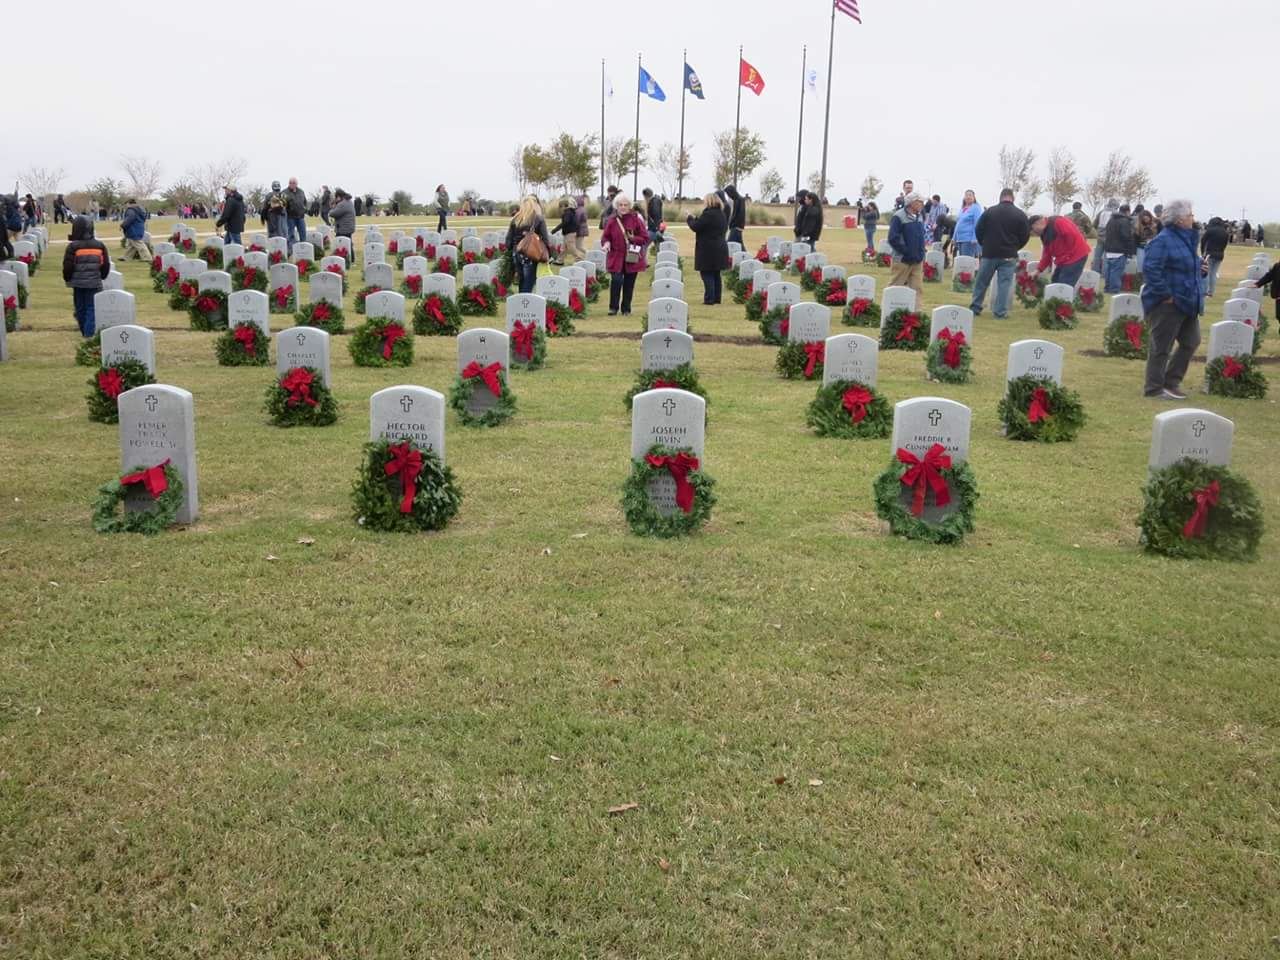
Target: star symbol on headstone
x=151 y=402
x=1038 y=352
x=935 y=416
x=1198 y=428
x=669 y=406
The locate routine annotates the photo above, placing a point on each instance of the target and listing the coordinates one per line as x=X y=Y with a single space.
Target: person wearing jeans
x=528 y=219
x=84 y=266
x=625 y=241
x=1064 y=247
x=295 y=204
x=906 y=237
x=1002 y=231
x=1213 y=247
x=966 y=226
x=1118 y=244
x=870 y=218
x=1172 y=299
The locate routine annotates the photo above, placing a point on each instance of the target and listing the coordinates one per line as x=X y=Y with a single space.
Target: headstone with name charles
x=1190 y=434
x=408 y=412
x=303 y=347
x=665 y=350
x=129 y=341
x=157 y=423
x=675 y=419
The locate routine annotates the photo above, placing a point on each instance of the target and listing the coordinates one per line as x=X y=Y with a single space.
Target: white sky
x=391 y=95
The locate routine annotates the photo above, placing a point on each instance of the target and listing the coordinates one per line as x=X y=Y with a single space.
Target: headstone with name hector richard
x=526 y=308
x=303 y=347
x=128 y=341
x=851 y=356
x=112 y=307
x=918 y=424
x=484 y=346
x=675 y=419
x=1035 y=358
x=157 y=423
x=668 y=313
x=406 y=412
x=249 y=306
x=665 y=350
x=1190 y=434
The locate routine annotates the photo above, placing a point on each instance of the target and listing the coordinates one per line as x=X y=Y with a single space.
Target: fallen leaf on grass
x=546 y=551
x=272 y=556
x=298 y=661
x=779 y=780
x=578 y=536
x=54 y=583
x=664 y=864
x=611 y=681
x=623 y=808
x=815 y=782
x=306 y=541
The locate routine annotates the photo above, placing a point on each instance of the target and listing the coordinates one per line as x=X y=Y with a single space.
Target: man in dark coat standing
x=232 y=214
x=1002 y=230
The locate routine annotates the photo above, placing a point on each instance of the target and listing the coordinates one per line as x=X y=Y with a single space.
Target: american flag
x=850 y=7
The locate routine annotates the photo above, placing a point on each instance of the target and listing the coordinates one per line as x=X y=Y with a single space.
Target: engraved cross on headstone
x=406 y=402
x=302 y=338
x=1198 y=428
x=667 y=341
x=124 y=336
x=1038 y=352
x=151 y=402
x=669 y=406
x=935 y=416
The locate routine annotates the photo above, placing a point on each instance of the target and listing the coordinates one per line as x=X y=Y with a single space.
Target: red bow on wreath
x=499 y=288
x=855 y=401
x=430 y=251
x=679 y=467
x=575 y=301
x=816 y=352
x=334 y=268
x=298 y=382
x=764 y=302
x=954 y=341
x=1205 y=498
x=522 y=338
x=859 y=306
x=1133 y=331
x=1088 y=295
x=552 y=326
x=1039 y=408
x=784 y=327
x=247 y=335
x=1126 y=282
x=661 y=384
x=1065 y=311
x=110 y=383
x=1232 y=368
x=321 y=311
x=924 y=474
x=187 y=289
x=1028 y=284
x=476 y=296
x=763 y=255
x=816 y=274
x=171 y=276
x=433 y=309
x=152 y=478
x=282 y=295
x=908 y=329
x=444 y=265
x=206 y=304
x=11 y=303
x=390 y=334
x=407 y=462
x=469 y=257
x=488 y=374
x=966 y=278
x=930 y=271
x=250 y=275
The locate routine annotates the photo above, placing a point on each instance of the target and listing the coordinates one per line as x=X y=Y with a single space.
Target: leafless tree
x=1016 y=165
x=517 y=169
x=211 y=177
x=143 y=174
x=1064 y=178
x=1120 y=178
x=671 y=167
x=871 y=187
x=771 y=185
x=813 y=184
x=41 y=181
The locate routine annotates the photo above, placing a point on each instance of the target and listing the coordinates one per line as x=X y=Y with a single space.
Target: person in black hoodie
x=710 y=249
x=84 y=266
x=738 y=218
x=1118 y=245
x=1002 y=230
x=232 y=214
x=809 y=220
x=653 y=217
x=1213 y=247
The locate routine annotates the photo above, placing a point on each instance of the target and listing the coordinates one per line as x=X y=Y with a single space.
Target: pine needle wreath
x=506 y=271
x=1088 y=300
x=335 y=269
x=1029 y=288
x=1058 y=314
x=211 y=255
x=244 y=345
x=801 y=361
x=305 y=268
x=89 y=351
x=436 y=316
x=861 y=313
x=248 y=278
x=377 y=498
x=446 y=265
x=1126 y=336
x=410 y=288
x=165 y=281
x=931 y=273
x=1237 y=377
x=528 y=346
x=110 y=517
x=300 y=401
x=1131 y=282
x=208 y=310
x=904 y=330
x=504 y=406
x=683 y=377
x=833 y=292
x=940 y=357
x=811 y=280
x=322 y=315
x=183 y=295
x=22 y=297
x=283 y=299
x=775 y=325
x=757 y=304
x=559 y=320
x=364 y=293
x=962 y=281
x=157 y=264
x=1231 y=520
x=644 y=518
x=962 y=487
x=10 y=314
x=870 y=257
x=32 y=261
x=1259 y=332
x=478 y=301
x=740 y=287
x=849 y=410
x=1058 y=412
x=885 y=260
x=381 y=342
x=106 y=385
x=274 y=257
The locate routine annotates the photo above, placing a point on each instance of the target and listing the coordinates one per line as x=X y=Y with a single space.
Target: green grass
x=224 y=743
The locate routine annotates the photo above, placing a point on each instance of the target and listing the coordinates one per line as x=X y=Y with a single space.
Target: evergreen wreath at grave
x=1058 y=314
x=305 y=268
x=1259 y=332
x=757 y=302
x=1037 y=408
x=106 y=385
x=476 y=377
x=506 y=271
x=593 y=288
x=274 y=257
x=478 y=300
x=801 y=361
x=489 y=254
x=499 y=288
x=381 y=342
x=10 y=314
x=949 y=358
x=931 y=273
x=166 y=280
x=283 y=299
x=1131 y=282
x=775 y=325
x=559 y=319
x=741 y=288
x=885 y=260
x=185 y=244
x=401 y=489
x=334 y=268
x=1088 y=300
x=933 y=476
x=446 y=265
x=1195 y=511
x=781 y=263
x=811 y=280
x=528 y=346
x=162 y=482
x=244 y=345
x=410 y=288
x=468 y=257
x=1126 y=336
x=247 y=278
x=208 y=310
x=156 y=266
x=695 y=493
x=436 y=316
x=833 y=292
x=255 y=247
x=861 y=312
x=904 y=330
x=211 y=255
x=762 y=255
x=683 y=377
x=364 y=293
x=321 y=314
x=183 y=295
x=869 y=256
x=1237 y=377
x=962 y=281
x=89 y=351
x=22 y=296
x=299 y=398
x=577 y=306
x=849 y=410
x=1029 y=288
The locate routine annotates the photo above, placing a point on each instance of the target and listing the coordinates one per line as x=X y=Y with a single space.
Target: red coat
x=617 y=233
x=1063 y=243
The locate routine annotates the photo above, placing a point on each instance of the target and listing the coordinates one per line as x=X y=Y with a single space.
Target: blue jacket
x=967 y=223
x=134 y=223
x=906 y=236
x=1171 y=268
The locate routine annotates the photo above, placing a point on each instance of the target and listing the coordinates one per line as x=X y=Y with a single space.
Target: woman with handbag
x=529 y=242
x=625 y=240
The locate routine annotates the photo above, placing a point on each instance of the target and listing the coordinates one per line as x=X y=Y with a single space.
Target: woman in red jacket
x=1064 y=246
x=625 y=240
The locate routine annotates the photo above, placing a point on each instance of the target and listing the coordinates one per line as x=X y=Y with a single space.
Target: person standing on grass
x=1100 y=224
x=809 y=222
x=653 y=217
x=528 y=219
x=1213 y=248
x=326 y=203
x=84 y=266
x=906 y=237
x=1064 y=246
x=625 y=240
x=870 y=220
x=442 y=208
x=966 y=223
x=581 y=227
x=232 y=216
x=737 y=214
x=710 y=249
x=273 y=213
x=295 y=204
x=1172 y=300
x=1080 y=218
x=1002 y=230
x=343 y=214
x=134 y=227
x=1118 y=246
x=567 y=227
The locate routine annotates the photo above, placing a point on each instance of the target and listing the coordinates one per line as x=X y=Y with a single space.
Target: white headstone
x=1035 y=358
x=409 y=413
x=378 y=275
x=328 y=287
x=216 y=242
x=896 y=298
x=342 y=247
x=800 y=249
x=172 y=261
x=1253 y=272
x=1243 y=311
x=129 y=342
x=114 y=281
x=416 y=266
x=278 y=245
x=920 y=423
x=214 y=280
x=1230 y=338
x=782 y=294
x=747 y=267
x=1239 y=293
x=249 y=306
x=1060 y=291
x=478 y=274
x=668 y=246
x=599 y=258
x=665 y=350
x=814 y=260
x=736 y=258
x=256 y=260
x=1091 y=280
x=303 y=347
x=809 y=322
x=441 y=284
x=385 y=305
x=161 y=248
x=191 y=268
x=21 y=271
x=112 y=307
x=734 y=247
x=447 y=251
x=588 y=267
x=772 y=245
x=861 y=287
x=666 y=271
x=963 y=264
x=666 y=288
x=1126 y=305
x=8 y=285
x=670 y=417
x=937 y=260
x=833 y=271
x=851 y=356
x=157 y=423
x=283 y=275
x=485 y=347
x=374 y=253
x=763 y=277
x=526 y=308
x=327 y=262
x=952 y=317
x=472 y=244
x=553 y=288
x=231 y=252
x=302 y=250
x=668 y=313
x=1192 y=435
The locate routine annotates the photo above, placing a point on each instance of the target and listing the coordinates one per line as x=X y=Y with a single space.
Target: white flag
x=811 y=80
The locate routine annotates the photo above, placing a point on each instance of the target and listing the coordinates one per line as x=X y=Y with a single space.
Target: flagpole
x=826 y=123
x=684 y=86
x=737 y=122
x=602 y=130
x=804 y=63
x=635 y=178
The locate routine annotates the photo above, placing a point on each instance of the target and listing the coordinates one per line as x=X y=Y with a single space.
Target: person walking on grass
x=528 y=219
x=809 y=222
x=625 y=240
x=567 y=227
x=906 y=237
x=442 y=208
x=870 y=220
x=653 y=217
x=1064 y=247
x=1213 y=248
x=1172 y=301
x=133 y=224
x=232 y=217
x=84 y=266
x=710 y=248
x=582 y=227
x=1002 y=230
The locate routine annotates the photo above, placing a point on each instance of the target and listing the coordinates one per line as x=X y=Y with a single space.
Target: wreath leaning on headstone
x=1088 y=300
x=165 y=280
x=559 y=320
x=932 y=476
x=436 y=316
x=211 y=255
x=247 y=278
x=11 y=314
x=183 y=295
x=775 y=325
x=108 y=383
x=756 y=301
x=1126 y=336
x=364 y=293
x=593 y=288
x=931 y=273
x=849 y=410
x=476 y=377
x=528 y=346
x=1237 y=377
x=962 y=281
x=904 y=330
x=410 y=288
x=283 y=299
x=1193 y=510
x=208 y=310
x=861 y=312
x=695 y=493
x=299 y=398
x=1029 y=288
x=305 y=268
x=322 y=315
x=683 y=377
x=89 y=351
x=801 y=360
x=949 y=358
x=381 y=342
x=1058 y=314
x=833 y=292
x=1037 y=408
x=164 y=485
x=477 y=300
x=401 y=489
x=244 y=345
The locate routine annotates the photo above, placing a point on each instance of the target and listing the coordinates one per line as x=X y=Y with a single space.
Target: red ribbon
x=1088 y=295
x=334 y=268
x=321 y=311
x=930 y=271
x=298 y=382
x=575 y=301
x=954 y=341
x=1205 y=498
x=763 y=254
x=858 y=306
x=476 y=296
x=924 y=475
x=1065 y=311
x=1126 y=282
x=1133 y=331
x=250 y=275
x=679 y=467
x=499 y=288
x=800 y=265
x=433 y=309
x=837 y=294
x=661 y=384
x=1232 y=368
x=469 y=257
x=110 y=383
x=1039 y=407
x=282 y=296
x=552 y=326
x=390 y=334
x=407 y=462
x=10 y=303
x=488 y=374
x=764 y=302
x=1028 y=284
x=816 y=274
x=444 y=265
x=966 y=277
x=855 y=400
x=816 y=351
x=908 y=329
x=430 y=251
x=247 y=335
x=206 y=304
x=171 y=276
x=152 y=478
x=522 y=337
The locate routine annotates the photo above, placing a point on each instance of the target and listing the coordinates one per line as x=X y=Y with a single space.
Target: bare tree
x=41 y=181
x=771 y=185
x=1031 y=191
x=1138 y=187
x=517 y=168
x=814 y=184
x=143 y=174
x=871 y=187
x=1064 y=178
x=671 y=167
x=1016 y=164
x=210 y=178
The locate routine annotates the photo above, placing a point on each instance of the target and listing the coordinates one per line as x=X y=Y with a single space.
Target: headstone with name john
x=809 y=322
x=668 y=313
x=327 y=287
x=249 y=306
x=112 y=307
x=129 y=341
x=1190 y=434
x=303 y=347
x=665 y=350
x=918 y=424
x=407 y=412
x=851 y=356
x=484 y=346
x=157 y=423
x=675 y=419
x=1035 y=358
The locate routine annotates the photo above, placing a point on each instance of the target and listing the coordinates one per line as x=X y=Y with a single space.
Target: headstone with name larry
x=484 y=346
x=1190 y=434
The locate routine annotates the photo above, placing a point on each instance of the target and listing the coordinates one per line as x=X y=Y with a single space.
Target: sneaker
x=613 y=313
x=1173 y=393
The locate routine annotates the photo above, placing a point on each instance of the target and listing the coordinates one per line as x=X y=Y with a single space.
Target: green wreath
x=436 y=316
x=22 y=297
x=1085 y=305
x=683 y=377
x=208 y=310
x=248 y=278
x=958 y=285
x=898 y=334
x=211 y=255
x=740 y=287
x=774 y=326
x=1247 y=383
x=183 y=295
x=793 y=358
x=478 y=300
x=322 y=412
x=1259 y=332
x=500 y=412
x=539 y=352
x=827 y=415
x=1058 y=314
x=236 y=349
x=364 y=293
x=109 y=518
x=781 y=263
x=376 y=497
x=861 y=312
x=102 y=405
x=559 y=320
x=1029 y=288
x=870 y=256
x=930 y=273
x=938 y=369
x=1060 y=422
x=1116 y=341
x=89 y=351
x=643 y=517
x=963 y=487
x=757 y=302
x=283 y=299
x=322 y=315
x=305 y=268
x=810 y=279
x=368 y=344
x=165 y=280
x=11 y=314
x=593 y=288
x=833 y=292
x=506 y=272
x=1233 y=526
x=410 y=288
x=446 y=265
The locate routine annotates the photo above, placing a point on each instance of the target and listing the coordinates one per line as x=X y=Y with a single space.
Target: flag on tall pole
x=649 y=86
x=804 y=79
x=691 y=85
x=850 y=9
x=691 y=81
x=749 y=77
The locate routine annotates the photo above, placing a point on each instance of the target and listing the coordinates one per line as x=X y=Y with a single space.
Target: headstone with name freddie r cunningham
x=918 y=424
x=157 y=423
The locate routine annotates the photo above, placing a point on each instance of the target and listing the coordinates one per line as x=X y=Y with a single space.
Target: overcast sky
x=379 y=96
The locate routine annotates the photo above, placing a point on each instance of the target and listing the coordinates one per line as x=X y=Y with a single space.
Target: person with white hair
x=625 y=241
x=1172 y=300
x=906 y=237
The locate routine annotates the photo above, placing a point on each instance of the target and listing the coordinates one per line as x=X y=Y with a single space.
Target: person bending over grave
x=1271 y=277
x=1064 y=247
x=625 y=240
x=526 y=227
x=710 y=250
x=737 y=214
x=84 y=266
x=1172 y=299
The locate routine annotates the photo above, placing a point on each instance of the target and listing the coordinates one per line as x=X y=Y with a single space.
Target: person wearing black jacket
x=232 y=215
x=567 y=227
x=84 y=266
x=809 y=219
x=710 y=249
x=1272 y=278
x=1002 y=230
x=1118 y=245
x=653 y=217
x=738 y=218
x=1213 y=247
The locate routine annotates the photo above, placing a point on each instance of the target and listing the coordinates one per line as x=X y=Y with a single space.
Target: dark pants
x=735 y=235
x=1069 y=272
x=528 y=271
x=82 y=302
x=710 y=286
x=1167 y=323
x=621 y=285
x=443 y=223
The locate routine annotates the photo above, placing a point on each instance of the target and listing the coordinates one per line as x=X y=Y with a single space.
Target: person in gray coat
x=343 y=214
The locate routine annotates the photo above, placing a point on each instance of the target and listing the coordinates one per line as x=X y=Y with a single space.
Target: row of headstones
x=1258 y=266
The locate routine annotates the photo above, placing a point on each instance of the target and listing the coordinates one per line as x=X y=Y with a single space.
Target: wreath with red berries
x=305 y=268
x=322 y=315
x=436 y=316
x=89 y=351
x=904 y=330
x=211 y=255
x=949 y=358
x=381 y=342
x=931 y=273
x=299 y=398
x=165 y=280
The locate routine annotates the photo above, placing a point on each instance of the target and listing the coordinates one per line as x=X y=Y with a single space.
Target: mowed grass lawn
x=224 y=742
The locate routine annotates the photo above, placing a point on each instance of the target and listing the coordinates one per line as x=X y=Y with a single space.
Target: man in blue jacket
x=906 y=237
x=1172 y=299
x=134 y=227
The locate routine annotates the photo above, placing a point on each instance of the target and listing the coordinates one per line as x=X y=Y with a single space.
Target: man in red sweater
x=1064 y=246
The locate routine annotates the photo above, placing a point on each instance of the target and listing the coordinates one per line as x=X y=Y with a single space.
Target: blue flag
x=649 y=87
x=692 y=83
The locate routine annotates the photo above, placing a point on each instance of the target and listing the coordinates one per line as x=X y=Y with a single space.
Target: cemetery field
x=274 y=734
